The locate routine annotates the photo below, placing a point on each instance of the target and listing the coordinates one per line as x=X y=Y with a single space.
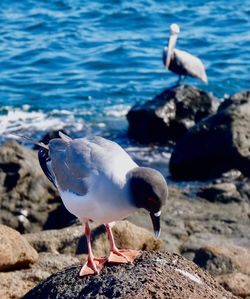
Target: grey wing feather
x=76 y=160
x=68 y=178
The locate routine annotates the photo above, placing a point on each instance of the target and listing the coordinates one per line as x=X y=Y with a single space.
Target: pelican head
x=174 y=31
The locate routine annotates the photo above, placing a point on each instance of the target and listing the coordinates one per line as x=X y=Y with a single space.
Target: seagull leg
x=93 y=264
x=120 y=256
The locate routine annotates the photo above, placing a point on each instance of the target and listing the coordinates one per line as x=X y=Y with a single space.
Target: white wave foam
x=22 y=119
x=117 y=110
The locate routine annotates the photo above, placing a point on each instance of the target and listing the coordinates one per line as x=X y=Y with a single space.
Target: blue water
x=82 y=64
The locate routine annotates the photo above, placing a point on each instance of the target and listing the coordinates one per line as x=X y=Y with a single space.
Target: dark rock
x=222 y=192
x=169 y=115
x=27 y=198
x=215 y=145
x=153 y=275
x=238 y=99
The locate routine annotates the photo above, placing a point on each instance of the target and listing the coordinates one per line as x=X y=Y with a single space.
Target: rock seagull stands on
x=97 y=180
x=180 y=62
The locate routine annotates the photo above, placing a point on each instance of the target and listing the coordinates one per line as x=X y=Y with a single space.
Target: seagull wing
x=76 y=161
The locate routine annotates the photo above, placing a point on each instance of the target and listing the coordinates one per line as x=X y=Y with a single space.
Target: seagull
x=181 y=62
x=97 y=180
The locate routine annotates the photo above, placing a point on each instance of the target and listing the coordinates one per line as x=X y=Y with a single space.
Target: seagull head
x=149 y=191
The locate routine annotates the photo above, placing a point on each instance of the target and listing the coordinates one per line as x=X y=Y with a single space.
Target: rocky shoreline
x=207 y=224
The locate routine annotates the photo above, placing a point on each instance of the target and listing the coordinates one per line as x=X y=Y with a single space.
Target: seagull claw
x=93 y=266
x=123 y=256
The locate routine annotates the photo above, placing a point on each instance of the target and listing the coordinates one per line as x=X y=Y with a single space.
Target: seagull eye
x=152 y=201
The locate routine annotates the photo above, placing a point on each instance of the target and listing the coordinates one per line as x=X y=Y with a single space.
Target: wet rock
x=238 y=99
x=71 y=240
x=15 y=251
x=216 y=144
x=170 y=114
x=153 y=275
x=14 y=284
x=27 y=198
x=236 y=283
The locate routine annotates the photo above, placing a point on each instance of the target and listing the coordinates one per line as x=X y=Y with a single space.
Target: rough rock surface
x=15 y=251
x=188 y=222
x=223 y=259
x=230 y=265
x=28 y=200
x=153 y=275
x=221 y=192
x=71 y=240
x=170 y=114
x=64 y=247
x=216 y=144
x=14 y=284
x=238 y=99
x=237 y=283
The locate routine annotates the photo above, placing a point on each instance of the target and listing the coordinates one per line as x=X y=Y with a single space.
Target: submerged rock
x=153 y=275
x=216 y=144
x=170 y=114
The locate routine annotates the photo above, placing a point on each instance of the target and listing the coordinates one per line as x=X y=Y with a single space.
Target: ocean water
x=81 y=65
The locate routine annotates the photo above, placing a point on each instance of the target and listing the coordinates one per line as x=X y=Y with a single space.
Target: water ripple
x=72 y=55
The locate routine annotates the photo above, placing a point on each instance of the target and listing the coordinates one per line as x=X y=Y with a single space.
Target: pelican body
x=181 y=62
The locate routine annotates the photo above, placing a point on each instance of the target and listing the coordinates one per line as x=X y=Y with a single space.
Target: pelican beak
x=171 y=45
x=155 y=217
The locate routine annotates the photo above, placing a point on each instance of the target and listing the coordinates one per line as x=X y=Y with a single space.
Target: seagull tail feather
x=40 y=144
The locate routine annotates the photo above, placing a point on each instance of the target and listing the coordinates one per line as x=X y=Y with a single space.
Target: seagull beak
x=171 y=45
x=155 y=217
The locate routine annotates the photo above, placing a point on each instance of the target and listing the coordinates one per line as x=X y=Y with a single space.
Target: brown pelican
x=181 y=62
